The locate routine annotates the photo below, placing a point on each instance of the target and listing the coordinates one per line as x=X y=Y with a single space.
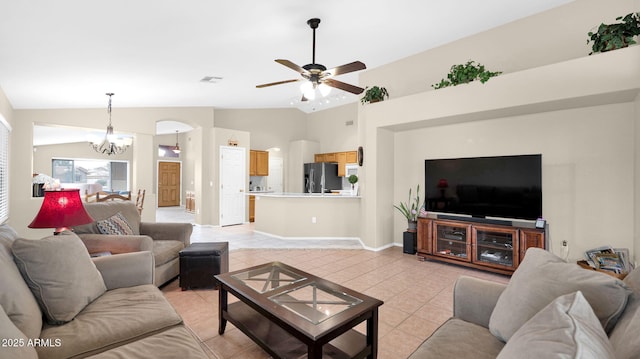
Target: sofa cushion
x=118 y=317
x=103 y=210
x=165 y=251
x=624 y=337
x=446 y=342
x=15 y=296
x=633 y=279
x=542 y=277
x=115 y=225
x=14 y=343
x=176 y=342
x=60 y=274
x=566 y=328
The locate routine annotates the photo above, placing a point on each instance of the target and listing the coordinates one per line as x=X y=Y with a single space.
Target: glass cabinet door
x=495 y=247
x=452 y=240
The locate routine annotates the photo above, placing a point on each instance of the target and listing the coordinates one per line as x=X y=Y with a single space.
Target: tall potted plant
x=410 y=210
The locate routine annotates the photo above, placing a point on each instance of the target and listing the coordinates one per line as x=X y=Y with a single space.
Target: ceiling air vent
x=211 y=79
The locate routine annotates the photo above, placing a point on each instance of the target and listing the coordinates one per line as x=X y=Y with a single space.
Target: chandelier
x=111 y=145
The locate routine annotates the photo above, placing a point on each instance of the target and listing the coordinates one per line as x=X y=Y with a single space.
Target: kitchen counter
x=308 y=215
x=301 y=195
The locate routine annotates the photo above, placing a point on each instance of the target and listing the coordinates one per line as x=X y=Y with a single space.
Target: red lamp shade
x=60 y=209
x=443 y=183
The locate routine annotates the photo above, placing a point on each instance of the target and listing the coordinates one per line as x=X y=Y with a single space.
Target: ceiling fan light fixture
x=316 y=75
x=308 y=89
x=324 y=89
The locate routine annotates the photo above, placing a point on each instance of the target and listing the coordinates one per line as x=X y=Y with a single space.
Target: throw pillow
x=566 y=328
x=542 y=277
x=115 y=225
x=60 y=274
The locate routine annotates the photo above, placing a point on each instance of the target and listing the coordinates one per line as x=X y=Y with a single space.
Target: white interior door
x=276 y=173
x=233 y=178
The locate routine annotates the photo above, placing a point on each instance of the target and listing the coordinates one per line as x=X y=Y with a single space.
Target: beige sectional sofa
x=549 y=309
x=164 y=240
x=57 y=302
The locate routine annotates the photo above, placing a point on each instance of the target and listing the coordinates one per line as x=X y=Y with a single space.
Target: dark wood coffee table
x=293 y=314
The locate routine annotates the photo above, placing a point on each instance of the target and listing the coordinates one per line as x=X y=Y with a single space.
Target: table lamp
x=61 y=209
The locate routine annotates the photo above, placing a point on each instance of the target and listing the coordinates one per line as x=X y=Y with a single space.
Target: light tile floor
x=417 y=295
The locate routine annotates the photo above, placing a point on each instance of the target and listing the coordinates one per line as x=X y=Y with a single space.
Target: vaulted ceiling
x=154 y=53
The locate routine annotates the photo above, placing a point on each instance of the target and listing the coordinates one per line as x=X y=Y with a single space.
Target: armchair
x=164 y=240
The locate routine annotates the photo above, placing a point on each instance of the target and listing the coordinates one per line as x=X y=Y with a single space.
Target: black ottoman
x=201 y=261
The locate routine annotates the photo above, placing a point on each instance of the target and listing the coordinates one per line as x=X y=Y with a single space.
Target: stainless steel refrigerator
x=321 y=176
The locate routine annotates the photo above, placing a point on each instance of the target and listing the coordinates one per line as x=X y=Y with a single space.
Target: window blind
x=4 y=170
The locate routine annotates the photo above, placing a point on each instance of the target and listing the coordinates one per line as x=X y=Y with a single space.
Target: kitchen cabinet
x=258 y=163
x=252 y=208
x=330 y=157
x=341 y=158
x=352 y=156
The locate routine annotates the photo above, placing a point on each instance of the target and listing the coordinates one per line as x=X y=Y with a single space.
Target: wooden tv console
x=495 y=248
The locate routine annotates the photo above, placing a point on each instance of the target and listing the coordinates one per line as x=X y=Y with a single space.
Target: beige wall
x=552 y=89
x=291 y=217
x=583 y=125
x=335 y=129
x=587 y=167
x=268 y=127
x=637 y=176
x=546 y=38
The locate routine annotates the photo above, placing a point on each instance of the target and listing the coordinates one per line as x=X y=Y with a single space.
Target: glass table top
x=268 y=278
x=314 y=303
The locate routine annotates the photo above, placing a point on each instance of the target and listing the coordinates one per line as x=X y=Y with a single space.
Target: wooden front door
x=168 y=184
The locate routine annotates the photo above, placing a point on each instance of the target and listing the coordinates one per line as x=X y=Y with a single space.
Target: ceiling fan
x=318 y=74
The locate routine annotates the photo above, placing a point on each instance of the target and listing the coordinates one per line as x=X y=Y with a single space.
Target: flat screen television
x=503 y=186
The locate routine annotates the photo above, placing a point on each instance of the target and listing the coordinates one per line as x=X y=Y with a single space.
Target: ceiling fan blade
x=343 y=86
x=292 y=66
x=276 y=83
x=344 y=69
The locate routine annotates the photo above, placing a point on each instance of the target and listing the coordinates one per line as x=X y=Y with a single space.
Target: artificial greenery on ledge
x=462 y=74
x=615 y=36
x=374 y=94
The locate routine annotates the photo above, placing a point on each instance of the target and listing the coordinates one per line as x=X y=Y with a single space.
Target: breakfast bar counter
x=308 y=215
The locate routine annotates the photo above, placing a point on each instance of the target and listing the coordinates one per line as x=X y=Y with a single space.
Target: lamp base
x=61 y=229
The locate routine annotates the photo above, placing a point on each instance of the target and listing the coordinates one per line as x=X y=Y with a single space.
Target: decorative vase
x=412 y=226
